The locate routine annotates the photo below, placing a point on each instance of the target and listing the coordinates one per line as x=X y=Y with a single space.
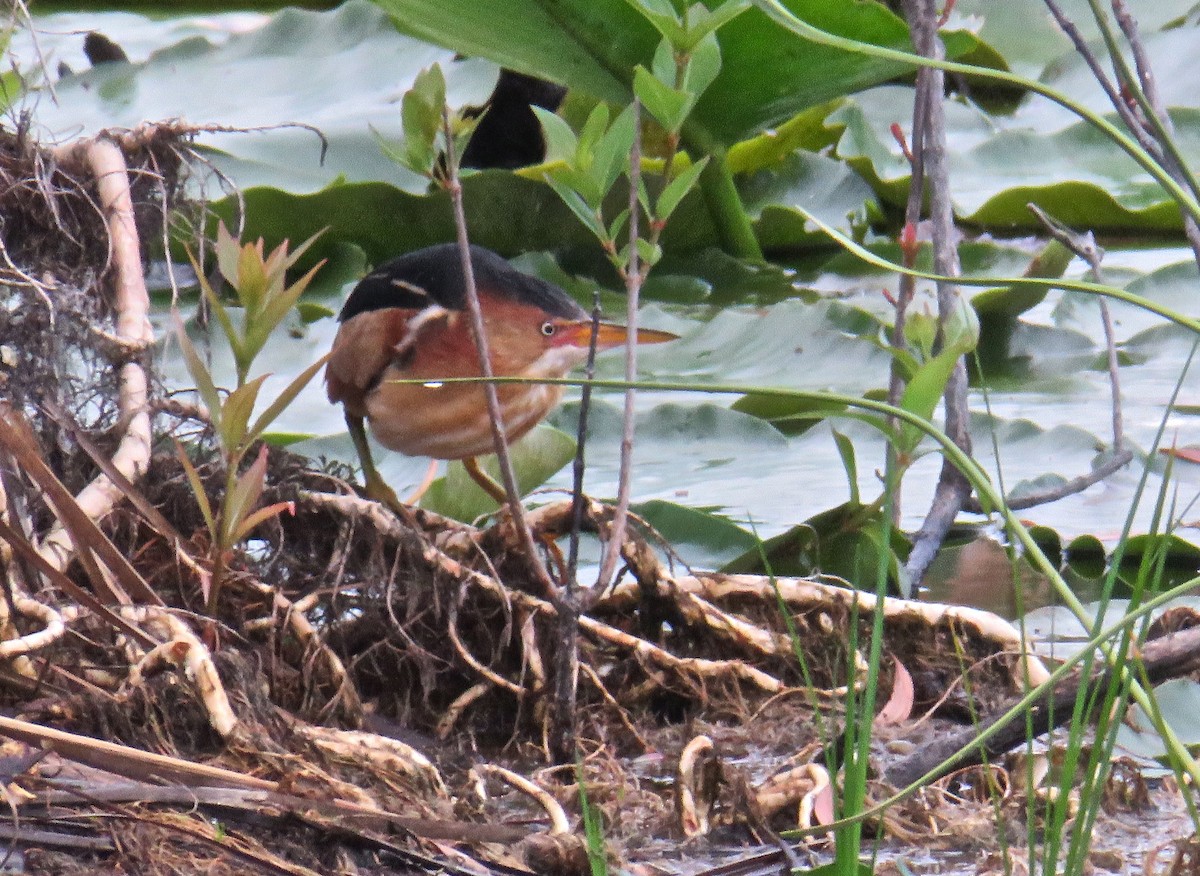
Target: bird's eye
x=549 y=328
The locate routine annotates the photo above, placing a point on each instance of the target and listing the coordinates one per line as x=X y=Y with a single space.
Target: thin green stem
x=725 y=206
x=1188 y=322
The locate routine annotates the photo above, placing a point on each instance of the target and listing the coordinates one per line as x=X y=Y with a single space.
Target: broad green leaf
x=535 y=458
x=843 y=541
x=226 y=72
x=1179 y=702
x=704 y=537
x=767 y=76
x=923 y=392
x=668 y=106
x=1020 y=29
x=561 y=142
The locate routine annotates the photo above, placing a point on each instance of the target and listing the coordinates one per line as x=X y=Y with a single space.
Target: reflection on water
x=980 y=574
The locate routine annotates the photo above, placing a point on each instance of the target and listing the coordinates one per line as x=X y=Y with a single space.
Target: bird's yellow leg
x=481 y=477
x=376 y=488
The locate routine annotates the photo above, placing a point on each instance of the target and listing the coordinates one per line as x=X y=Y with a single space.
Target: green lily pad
x=535 y=458
x=703 y=537
x=351 y=61
x=767 y=75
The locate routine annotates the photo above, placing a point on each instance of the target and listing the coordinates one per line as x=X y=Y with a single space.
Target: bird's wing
x=367 y=343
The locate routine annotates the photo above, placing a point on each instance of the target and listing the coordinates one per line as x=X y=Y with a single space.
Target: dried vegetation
x=373 y=693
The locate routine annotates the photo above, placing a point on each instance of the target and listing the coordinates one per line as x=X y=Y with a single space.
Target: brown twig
x=953 y=487
x=479 y=333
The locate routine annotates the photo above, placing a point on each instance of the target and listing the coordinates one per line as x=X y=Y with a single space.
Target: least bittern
x=407 y=321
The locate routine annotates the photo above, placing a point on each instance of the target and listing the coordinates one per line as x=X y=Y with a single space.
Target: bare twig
x=478 y=332
x=907 y=288
x=634 y=277
x=953 y=487
x=1152 y=127
x=1084 y=245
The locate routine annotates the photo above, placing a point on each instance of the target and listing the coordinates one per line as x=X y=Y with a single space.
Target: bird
x=406 y=320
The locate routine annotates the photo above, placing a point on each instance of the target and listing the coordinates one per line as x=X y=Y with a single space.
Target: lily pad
x=535 y=458
x=248 y=80
x=767 y=75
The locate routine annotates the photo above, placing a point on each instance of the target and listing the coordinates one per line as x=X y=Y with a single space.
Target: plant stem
x=633 y=284
x=479 y=333
x=734 y=230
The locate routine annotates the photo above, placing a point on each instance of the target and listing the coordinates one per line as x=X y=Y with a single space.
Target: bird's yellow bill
x=609 y=334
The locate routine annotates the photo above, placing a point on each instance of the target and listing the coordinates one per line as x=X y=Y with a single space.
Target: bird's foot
x=379 y=491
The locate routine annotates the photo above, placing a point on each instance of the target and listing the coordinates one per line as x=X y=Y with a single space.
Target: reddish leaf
x=899 y=706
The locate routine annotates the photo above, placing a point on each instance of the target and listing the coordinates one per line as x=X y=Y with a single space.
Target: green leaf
x=535 y=458
x=589 y=136
x=421 y=116
x=561 y=142
x=768 y=74
x=704 y=537
x=648 y=252
x=668 y=105
x=845 y=449
x=199 y=371
x=703 y=65
x=677 y=189
x=791 y=416
x=310 y=312
x=235 y=414
x=611 y=155
x=664 y=66
x=218 y=309
x=1009 y=302
x=618 y=224
x=663 y=16
x=923 y=393
x=197 y=488
x=920 y=330
x=585 y=214
x=703 y=23
x=285 y=398
x=843 y=541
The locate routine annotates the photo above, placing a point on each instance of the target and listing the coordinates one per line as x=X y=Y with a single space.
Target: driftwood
x=1171 y=656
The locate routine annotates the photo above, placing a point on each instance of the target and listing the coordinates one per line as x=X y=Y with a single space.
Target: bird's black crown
x=434 y=275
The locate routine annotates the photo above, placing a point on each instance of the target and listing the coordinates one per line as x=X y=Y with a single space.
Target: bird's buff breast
x=450 y=421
